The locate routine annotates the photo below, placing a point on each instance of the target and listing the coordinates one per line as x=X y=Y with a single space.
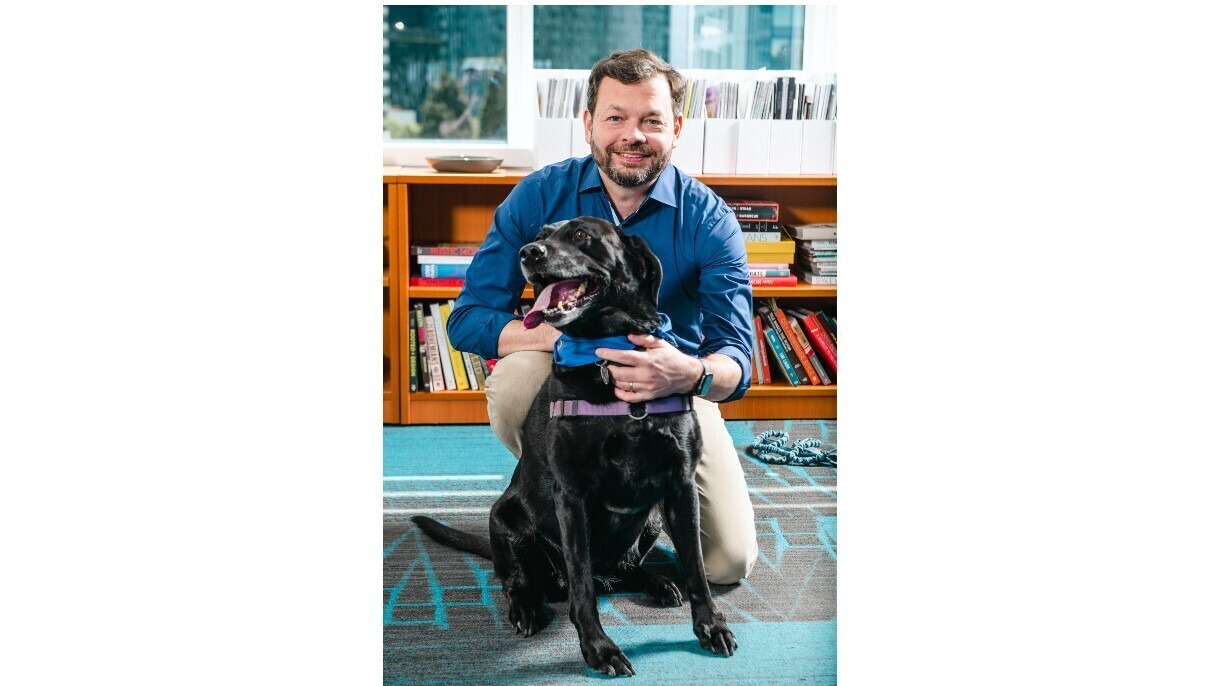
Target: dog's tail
x=453 y=538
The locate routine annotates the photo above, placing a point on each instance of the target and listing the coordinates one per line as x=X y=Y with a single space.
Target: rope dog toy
x=772 y=447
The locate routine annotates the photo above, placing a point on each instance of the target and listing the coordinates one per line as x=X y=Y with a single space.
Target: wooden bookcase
x=423 y=206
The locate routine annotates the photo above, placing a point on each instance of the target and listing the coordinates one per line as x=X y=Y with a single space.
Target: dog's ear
x=647 y=266
x=549 y=229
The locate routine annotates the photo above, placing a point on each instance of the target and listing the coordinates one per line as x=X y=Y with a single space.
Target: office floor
x=444 y=616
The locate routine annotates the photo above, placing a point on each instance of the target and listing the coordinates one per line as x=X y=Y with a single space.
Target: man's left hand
x=657 y=371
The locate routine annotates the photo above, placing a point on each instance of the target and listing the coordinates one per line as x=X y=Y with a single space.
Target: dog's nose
x=532 y=252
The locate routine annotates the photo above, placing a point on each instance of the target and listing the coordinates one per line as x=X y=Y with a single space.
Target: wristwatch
x=705 y=382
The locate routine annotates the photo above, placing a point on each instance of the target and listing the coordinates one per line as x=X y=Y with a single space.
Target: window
x=688 y=37
x=445 y=72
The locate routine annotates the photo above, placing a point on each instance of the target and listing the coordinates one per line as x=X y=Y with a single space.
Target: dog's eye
x=580 y=234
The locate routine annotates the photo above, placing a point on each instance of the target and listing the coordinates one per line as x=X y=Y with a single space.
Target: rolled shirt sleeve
x=725 y=296
x=494 y=280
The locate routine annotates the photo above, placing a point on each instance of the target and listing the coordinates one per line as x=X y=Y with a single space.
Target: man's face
x=633 y=133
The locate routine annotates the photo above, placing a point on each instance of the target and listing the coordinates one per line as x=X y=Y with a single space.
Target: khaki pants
x=726 y=518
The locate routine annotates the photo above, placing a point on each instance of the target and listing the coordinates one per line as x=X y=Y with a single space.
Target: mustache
x=643 y=150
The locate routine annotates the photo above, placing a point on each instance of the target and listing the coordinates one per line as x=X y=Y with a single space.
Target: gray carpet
x=445 y=618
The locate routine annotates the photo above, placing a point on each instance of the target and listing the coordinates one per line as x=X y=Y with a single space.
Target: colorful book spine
x=821 y=340
x=755 y=210
x=443 y=259
x=480 y=372
x=828 y=325
x=435 y=364
x=455 y=357
x=442 y=347
x=425 y=377
x=761 y=236
x=763 y=363
x=413 y=347
x=781 y=359
x=474 y=382
x=773 y=280
x=769 y=272
x=467 y=250
x=807 y=347
x=443 y=271
x=437 y=282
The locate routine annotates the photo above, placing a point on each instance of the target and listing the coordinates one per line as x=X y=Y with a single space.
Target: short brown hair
x=634 y=66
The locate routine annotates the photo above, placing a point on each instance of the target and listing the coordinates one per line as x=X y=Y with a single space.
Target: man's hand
x=657 y=371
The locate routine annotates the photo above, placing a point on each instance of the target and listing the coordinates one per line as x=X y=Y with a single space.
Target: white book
x=436 y=375
x=474 y=382
x=820 y=232
x=445 y=259
x=442 y=346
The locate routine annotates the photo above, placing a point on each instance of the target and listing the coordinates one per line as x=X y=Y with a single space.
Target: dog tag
x=605 y=374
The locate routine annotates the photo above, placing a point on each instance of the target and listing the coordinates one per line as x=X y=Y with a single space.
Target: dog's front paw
x=526 y=618
x=605 y=657
x=715 y=636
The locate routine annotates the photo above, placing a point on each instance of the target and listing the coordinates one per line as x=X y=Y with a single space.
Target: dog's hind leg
x=516 y=563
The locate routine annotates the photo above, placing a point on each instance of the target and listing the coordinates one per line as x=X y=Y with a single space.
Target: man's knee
x=510 y=391
x=730 y=564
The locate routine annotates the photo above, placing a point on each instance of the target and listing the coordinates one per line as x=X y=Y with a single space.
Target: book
x=754 y=368
x=821 y=232
x=815 y=279
x=444 y=259
x=438 y=282
x=798 y=351
x=755 y=210
x=767 y=265
x=480 y=372
x=466 y=249
x=764 y=365
x=455 y=357
x=782 y=250
x=443 y=271
x=761 y=236
x=830 y=328
x=771 y=320
x=806 y=346
x=421 y=345
x=435 y=366
x=769 y=272
x=474 y=382
x=773 y=280
x=821 y=341
x=413 y=357
x=442 y=347
x=748 y=225
x=781 y=359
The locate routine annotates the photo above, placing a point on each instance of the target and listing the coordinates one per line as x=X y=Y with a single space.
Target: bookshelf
x=423 y=206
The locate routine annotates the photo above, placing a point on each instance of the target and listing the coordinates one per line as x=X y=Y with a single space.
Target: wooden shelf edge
x=511 y=176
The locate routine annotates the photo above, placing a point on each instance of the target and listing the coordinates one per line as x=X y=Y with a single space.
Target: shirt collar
x=665 y=190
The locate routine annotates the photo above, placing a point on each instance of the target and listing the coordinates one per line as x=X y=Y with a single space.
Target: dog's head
x=591 y=280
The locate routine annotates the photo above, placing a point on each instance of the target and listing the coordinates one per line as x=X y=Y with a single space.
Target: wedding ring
x=631 y=386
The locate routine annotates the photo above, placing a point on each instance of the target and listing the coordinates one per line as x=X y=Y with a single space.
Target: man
x=632 y=126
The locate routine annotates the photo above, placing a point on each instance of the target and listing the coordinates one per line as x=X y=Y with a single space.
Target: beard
x=630 y=178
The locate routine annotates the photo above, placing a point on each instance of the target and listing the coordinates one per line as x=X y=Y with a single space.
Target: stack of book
x=797 y=346
x=817 y=253
x=769 y=255
x=442 y=265
x=435 y=365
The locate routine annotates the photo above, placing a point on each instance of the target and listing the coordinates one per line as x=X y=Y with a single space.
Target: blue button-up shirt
x=705 y=287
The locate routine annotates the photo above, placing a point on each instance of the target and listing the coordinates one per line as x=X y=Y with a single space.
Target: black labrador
x=583 y=501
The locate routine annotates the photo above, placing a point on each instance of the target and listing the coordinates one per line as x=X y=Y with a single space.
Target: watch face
x=705 y=385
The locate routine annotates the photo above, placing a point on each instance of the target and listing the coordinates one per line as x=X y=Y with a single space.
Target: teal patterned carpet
x=445 y=619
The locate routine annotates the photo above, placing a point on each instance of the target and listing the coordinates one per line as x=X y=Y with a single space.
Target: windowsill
x=405 y=153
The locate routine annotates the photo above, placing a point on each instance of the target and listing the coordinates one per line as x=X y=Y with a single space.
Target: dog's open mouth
x=559 y=297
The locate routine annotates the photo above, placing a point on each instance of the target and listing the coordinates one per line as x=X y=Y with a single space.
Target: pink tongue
x=543 y=300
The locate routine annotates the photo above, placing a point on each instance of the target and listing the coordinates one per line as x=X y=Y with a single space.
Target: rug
x=444 y=616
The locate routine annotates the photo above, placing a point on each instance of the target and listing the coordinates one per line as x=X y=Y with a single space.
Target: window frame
x=818 y=57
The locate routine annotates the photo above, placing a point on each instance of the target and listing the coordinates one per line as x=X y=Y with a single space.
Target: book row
x=794 y=346
x=435 y=365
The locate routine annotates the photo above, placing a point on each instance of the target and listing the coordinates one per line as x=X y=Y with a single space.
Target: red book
x=462 y=249
x=820 y=339
x=772 y=280
x=762 y=349
x=440 y=281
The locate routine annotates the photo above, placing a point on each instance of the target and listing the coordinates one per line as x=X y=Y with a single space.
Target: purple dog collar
x=619 y=408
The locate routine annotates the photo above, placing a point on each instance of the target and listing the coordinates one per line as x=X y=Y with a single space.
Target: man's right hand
x=514 y=337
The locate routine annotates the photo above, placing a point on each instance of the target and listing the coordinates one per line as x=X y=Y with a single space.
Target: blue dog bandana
x=577 y=352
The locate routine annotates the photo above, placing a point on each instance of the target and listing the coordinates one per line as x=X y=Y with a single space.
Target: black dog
x=583 y=500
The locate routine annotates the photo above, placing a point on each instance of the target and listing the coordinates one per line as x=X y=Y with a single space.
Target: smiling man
x=632 y=125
